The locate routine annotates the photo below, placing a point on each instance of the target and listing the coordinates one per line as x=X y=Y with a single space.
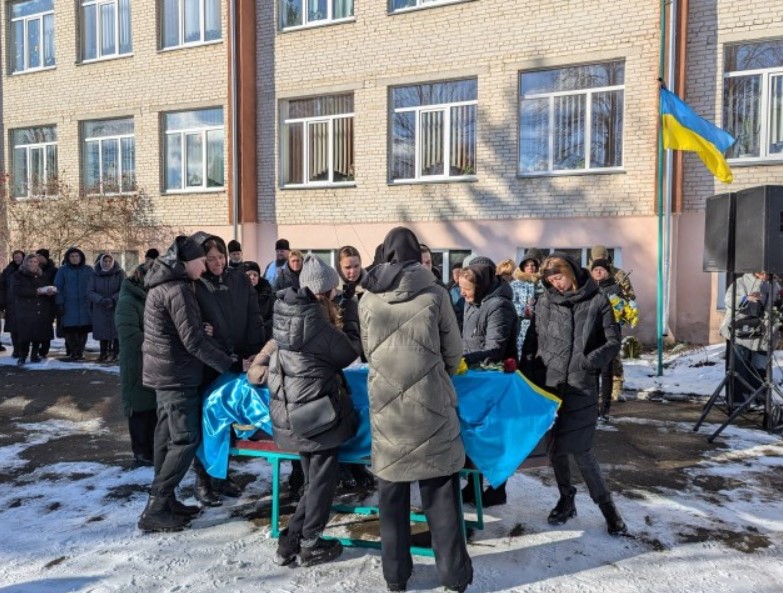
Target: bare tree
x=66 y=217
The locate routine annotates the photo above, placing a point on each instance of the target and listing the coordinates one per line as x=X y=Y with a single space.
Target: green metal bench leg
x=275 y=497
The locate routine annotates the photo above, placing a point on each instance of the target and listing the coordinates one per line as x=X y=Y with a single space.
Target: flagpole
x=659 y=308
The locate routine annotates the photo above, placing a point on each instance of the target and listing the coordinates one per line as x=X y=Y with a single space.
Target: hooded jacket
x=129 y=321
x=412 y=344
x=72 y=282
x=229 y=303
x=175 y=346
x=103 y=292
x=490 y=324
x=307 y=366
x=574 y=335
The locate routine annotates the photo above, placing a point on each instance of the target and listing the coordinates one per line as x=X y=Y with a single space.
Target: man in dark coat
x=71 y=281
x=175 y=348
x=17 y=257
x=30 y=296
x=49 y=270
x=103 y=292
x=264 y=294
x=234 y=254
x=138 y=402
x=574 y=334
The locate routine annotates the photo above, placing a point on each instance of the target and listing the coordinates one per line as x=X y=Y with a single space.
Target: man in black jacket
x=175 y=349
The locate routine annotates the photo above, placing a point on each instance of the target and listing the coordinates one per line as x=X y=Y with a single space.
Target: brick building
x=487 y=126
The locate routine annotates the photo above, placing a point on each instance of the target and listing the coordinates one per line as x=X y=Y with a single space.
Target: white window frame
x=445 y=271
x=332 y=254
x=764 y=106
x=181 y=27
x=434 y=108
x=184 y=187
x=306 y=123
x=587 y=169
x=117 y=53
x=26 y=19
x=118 y=138
x=28 y=148
x=422 y=4
x=307 y=24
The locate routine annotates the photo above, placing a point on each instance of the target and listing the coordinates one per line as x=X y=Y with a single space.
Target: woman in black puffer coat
x=489 y=328
x=311 y=408
x=31 y=302
x=574 y=334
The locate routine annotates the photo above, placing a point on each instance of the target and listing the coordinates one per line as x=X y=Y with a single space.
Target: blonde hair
x=468 y=275
x=296 y=253
x=557 y=265
x=505 y=268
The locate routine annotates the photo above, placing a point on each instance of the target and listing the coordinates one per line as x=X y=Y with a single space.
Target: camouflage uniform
x=626 y=292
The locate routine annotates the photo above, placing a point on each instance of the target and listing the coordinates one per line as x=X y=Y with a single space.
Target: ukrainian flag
x=684 y=130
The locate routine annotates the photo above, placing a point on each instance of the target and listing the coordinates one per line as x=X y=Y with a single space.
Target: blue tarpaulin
x=502 y=415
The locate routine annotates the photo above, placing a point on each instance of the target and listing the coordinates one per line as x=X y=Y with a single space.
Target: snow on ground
x=72 y=526
x=53 y=361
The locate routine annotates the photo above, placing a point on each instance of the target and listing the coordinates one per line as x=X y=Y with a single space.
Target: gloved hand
x=107 y=303
x=462 y=368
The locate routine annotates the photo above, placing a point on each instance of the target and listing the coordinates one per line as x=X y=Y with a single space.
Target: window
x=434 y=131
x=105 y=28
x=444 y=259
x=398 y=5
x=328 y=256
x=300 y=13
x=580 y=254
x=33 y=161
x=571 y=119
x=32 y=35
x=190 y=22
x=194 y=149
x=317 y=141
x=109 y=156
x=753 y=99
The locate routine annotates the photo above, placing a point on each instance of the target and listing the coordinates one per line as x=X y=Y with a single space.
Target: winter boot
x=396 y=586
x=182 y=510
x=20 y=361
x=204 y=493
x=227 y=487
x=614 y=522
x=565 y=508
x=157 y=516
x=494 y=496
x=461 y=588
x=318 y=551
x=287 y=549
x=104 y=355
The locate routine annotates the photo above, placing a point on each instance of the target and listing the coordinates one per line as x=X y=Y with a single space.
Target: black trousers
x=440 y=498
x=177 y=435
x=590 y=470
x=76 y=339
x=606 y=378
x=141 y=426
x=312 y=513
x=24 y=348
x=751 y=365
x=110 y=346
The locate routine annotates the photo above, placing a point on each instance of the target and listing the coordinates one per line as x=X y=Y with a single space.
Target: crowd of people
x=184 y=317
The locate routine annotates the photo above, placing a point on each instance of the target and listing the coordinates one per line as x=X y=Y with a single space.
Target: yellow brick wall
x=143 y=85
x=492 y=40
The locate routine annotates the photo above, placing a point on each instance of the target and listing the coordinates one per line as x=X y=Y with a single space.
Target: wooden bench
x=267 y=450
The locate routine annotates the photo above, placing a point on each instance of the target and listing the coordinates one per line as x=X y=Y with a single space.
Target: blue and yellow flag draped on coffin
x=502 y=417
x=684 y=130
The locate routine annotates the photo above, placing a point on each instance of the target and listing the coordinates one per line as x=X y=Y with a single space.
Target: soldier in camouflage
x=627 y=293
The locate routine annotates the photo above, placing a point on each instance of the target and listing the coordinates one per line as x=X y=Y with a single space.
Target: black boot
x=183 y=510
x=204 y=493
x=565 y=508
x=614 y=522
x=494 y=496
x=227 y=487
x=319 y=551
x=157 y=516
x=469 y=492
x=287 y=549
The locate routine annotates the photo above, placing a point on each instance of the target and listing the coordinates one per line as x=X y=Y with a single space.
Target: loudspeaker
x=758 y=245
x=719 y=233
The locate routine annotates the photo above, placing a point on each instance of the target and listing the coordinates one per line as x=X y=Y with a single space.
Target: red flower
x=509 y=365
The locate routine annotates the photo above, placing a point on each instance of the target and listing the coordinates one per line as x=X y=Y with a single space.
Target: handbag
x=311 y=418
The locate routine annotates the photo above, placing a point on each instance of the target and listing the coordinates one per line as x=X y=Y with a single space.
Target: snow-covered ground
x=72 y=526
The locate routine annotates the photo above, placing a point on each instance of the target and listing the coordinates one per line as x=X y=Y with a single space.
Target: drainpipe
x=234 y=118
x=659 y=326
x=668 y=201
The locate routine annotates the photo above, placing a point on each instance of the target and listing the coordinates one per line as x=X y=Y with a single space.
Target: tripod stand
x=765 y=392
